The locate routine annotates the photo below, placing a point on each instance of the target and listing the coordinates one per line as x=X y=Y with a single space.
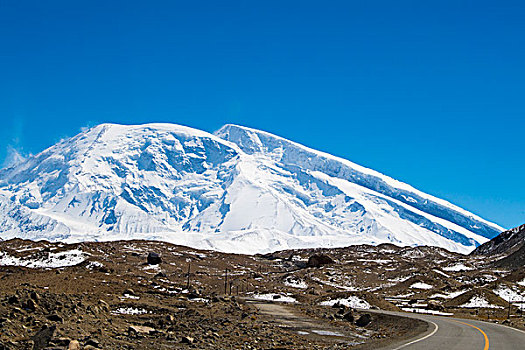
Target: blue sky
x=428 y=92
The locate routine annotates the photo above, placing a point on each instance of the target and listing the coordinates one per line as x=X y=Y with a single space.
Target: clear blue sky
x=429 y=92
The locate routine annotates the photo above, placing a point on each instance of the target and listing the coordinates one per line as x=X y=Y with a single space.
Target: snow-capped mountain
x=240 y=190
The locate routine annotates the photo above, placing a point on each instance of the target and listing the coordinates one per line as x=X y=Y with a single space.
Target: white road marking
x=436 y=327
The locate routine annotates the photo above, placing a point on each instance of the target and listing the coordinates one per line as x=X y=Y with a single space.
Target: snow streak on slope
x=241 y=190
x=290 y=153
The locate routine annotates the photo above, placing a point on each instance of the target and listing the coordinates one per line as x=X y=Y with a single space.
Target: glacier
x=238 y=190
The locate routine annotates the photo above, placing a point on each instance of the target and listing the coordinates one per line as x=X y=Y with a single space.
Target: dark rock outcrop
x=42 y=338
x=363 y=320
x=510 y=245
x=318 y=260
x=507 y=242
x=154 y=258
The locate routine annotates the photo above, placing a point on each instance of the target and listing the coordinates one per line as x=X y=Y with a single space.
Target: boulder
x=363 y=320
x=34 y=295
x=104 y=305
x=42 y=338
x=435 y=305
x=74 y=345
x=129 y=291
x=141 y=330
x=160 y=275
x=318 y=260
x=62 y=341
x=54 y=318
x=93 y=342
x=13 y=299
x=154 y=258
x=187 y=340
x=30 y=305
x=349 y=316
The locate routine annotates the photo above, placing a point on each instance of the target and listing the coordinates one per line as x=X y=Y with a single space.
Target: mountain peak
x=240 y=190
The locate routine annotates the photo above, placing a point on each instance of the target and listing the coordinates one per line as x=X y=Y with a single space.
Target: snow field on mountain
x=240 y=190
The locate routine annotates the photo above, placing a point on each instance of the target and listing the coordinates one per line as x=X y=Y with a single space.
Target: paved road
x=446 y=333
x=299 y=323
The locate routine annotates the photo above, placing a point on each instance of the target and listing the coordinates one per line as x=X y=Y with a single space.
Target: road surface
x=446 y=333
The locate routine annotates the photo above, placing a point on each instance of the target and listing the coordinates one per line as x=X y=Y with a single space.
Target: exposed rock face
x=318 y=260
x=514 y=260
x=509 y=244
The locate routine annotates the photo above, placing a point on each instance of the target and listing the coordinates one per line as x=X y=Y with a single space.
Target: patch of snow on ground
x=152 y=269
x=406 y=295
x=378 y=261
x=130 y=311
x=458 y=267
x=522 y=282
x=351 y=301
x=275 y=297
x=200 y=300
x=510 y=295
x=479 y=302
x=441 y=273
x=451 y=295
x=53 y=260
x=489 y=278
x=296 y=283
x=399 y=279
x=325 y=332
x=200 y=255
x=335 y=285
x=421 y=285
x=413 y=254
x=27 y=249
x=94 y=264
x=424 y=311
x=129 y=296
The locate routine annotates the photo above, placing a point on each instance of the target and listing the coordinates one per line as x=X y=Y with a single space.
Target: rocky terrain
x=508 y=248
x=154 y=295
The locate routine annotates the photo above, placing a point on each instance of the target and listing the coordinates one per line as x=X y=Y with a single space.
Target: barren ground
x=112 y=298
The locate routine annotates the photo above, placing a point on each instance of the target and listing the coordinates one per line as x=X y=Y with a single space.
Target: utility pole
x=188 y=281
x=226 y=281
